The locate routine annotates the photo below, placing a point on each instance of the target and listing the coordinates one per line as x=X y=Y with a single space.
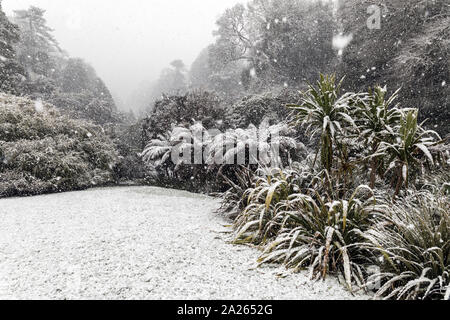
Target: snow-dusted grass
x=134 y=243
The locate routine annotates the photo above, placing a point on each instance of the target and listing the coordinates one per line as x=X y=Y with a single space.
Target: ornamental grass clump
x=256 y=224
x=412 y=241
x=323 y=235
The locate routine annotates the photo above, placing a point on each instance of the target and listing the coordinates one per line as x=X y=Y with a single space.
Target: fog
x=129 y=42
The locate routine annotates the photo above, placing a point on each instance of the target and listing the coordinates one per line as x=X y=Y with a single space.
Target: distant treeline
x=269 y=44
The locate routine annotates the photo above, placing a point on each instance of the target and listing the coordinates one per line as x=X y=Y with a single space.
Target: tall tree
x=37 y=46
x=83 y=94
x=407 y=47
x=276 y=42
x=200 y=71
x=11 y=72
x=172 y=81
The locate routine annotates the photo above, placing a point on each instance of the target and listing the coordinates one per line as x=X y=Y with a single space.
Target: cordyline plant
x=324 y=112
x=377 y=120
x=406 y=153
x=413 y=243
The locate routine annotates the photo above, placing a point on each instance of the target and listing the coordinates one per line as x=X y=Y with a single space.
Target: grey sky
x=130 y=41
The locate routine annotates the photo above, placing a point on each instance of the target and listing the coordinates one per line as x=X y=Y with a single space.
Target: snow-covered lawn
x=133 y=243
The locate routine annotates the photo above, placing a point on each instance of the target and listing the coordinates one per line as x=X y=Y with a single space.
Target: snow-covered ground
x=133 y=243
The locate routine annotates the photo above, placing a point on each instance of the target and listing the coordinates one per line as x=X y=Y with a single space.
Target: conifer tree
x=10 y=70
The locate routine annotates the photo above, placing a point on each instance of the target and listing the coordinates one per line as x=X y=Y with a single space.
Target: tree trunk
x=399 y=183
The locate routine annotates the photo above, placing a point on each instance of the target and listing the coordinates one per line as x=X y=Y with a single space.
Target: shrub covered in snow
x=42 y=151
x=195 y=106
x=214 y=158
x=254 y=109
x=128 y=140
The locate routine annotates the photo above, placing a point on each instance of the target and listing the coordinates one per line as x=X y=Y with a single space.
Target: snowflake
x=39 y=106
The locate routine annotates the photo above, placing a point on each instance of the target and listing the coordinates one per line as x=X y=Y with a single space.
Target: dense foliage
x=11 y=73
x=33 y=65
x=273 y=43
x=42 y=151
x=411 y=50
x=204 y=160
x=323 y=216
x=195 y=106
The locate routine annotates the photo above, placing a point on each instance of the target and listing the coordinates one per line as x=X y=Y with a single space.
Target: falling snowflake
x=253 y=73
x=340 y=42
x=38 y=106
x=444 y=83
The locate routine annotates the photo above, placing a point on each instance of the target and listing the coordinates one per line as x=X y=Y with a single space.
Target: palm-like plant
x=267 y=145
x=159 y=152
x=325 y=113
x=406 y=152
x=377 y=119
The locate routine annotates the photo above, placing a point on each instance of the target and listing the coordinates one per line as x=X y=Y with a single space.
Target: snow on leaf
x=427 y=153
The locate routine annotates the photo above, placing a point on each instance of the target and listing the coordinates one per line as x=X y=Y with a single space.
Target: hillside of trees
x=33 y=66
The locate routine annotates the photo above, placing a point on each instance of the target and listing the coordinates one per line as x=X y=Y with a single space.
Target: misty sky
x=130 y=41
